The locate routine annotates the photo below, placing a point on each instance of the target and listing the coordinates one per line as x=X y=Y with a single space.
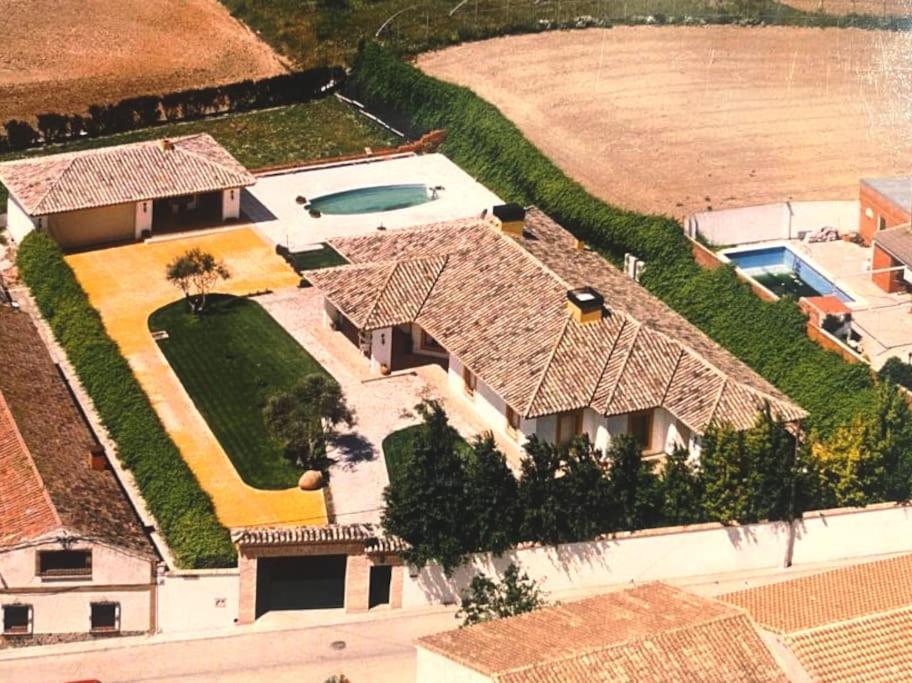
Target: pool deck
x=271 y=205
x=884 y=320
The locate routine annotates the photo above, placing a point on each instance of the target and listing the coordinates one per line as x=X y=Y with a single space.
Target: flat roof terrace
x=273 y=205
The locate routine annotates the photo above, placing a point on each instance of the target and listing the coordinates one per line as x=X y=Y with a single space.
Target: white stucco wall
x=381 y=348
x=143 y=218
x=231 y=203
x=202 y=600
x=63 y=605
x=18 y=222
x=434 y=668
x=415 y=332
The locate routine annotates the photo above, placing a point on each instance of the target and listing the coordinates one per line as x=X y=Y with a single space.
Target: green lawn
x=317 y=258
x=318 y=129
x=230 y=361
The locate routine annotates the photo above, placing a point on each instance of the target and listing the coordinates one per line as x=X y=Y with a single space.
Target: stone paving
x=382 y=404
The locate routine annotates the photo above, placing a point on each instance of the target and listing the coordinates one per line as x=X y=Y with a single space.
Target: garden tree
x=896 y=371
x=540 y=493
x=490 y=497
x=196 y=271
x=722 y=462
x=837 y=462
x=633 y=487
x=425 y=500
x=305 y=417
x=890 y=441
x=486 y=600
x=585 y=490
x=681 y=489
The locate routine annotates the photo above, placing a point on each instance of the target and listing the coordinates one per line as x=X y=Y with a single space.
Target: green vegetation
x=329 y=31
x=770 y=337
x=323 y=128
x=326 y=257
x=486 y=600
x=183 y=511
x=230 y=361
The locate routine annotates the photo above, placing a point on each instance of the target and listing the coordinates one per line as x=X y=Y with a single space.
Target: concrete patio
x=382 y=404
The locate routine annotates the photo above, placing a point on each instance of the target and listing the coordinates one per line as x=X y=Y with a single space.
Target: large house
x=124 y=193
x=650 y=633
x=542 y=335
x=73 y=555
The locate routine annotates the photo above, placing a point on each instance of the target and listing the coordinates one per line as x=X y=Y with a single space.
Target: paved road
x=378 y=651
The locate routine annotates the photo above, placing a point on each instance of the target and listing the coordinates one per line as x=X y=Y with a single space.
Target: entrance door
x=307 y=582
x=381 y=576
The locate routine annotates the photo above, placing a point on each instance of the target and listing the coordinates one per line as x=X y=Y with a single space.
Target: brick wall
x=879 y=206
x=887 y=280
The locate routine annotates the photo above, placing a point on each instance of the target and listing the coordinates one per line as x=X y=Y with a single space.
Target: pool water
x=372 y=199
x=783 y=272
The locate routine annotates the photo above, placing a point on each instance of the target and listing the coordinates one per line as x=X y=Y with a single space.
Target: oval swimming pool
x=372 y=199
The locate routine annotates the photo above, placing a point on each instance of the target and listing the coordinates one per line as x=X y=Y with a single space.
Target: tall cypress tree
x=491 y=498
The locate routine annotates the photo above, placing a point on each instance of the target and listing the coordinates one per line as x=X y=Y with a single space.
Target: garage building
x=124 y=193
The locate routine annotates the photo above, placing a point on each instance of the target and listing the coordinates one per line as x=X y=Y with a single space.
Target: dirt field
x=63 y=55
x=877 y=8
x=675 y=119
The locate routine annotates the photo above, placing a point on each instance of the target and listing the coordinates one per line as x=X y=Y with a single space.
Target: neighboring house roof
x=897 y=189
x=649 y=633
x=371 y=535
x=498 y=303
x=897 y=241
x=126 y=173
x=848 y=624
x=47 y=485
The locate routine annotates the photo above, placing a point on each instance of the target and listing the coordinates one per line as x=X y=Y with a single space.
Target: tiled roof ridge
x=608 y=356
x=24 y=449
x=671 y=376
x=830 y=625
x=53 y=186
x=191 y=152
x=623 y=368
x=392 y=273
x=457 y=223
x=576 y=654
x=715 y=408
x=446 y=260
x=544 y=372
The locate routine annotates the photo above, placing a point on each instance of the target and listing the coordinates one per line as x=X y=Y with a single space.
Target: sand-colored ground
x=678 y=119
x=63 y=55
x=126 y=284
x=877 y=8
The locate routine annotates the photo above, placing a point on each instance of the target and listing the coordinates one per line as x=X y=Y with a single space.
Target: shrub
x=184 y=512
x=771 y=338
x=486 y=600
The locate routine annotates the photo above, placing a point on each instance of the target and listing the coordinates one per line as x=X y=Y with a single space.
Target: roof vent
x=585 y=304
x=510 y=218
x=166 y=145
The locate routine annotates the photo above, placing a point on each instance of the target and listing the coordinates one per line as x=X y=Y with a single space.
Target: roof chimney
x=510 y=218
x=166 y=145
x=97 y=460
x=585 y=305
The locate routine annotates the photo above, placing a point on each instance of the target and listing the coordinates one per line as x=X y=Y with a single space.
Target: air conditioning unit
x=638 y=270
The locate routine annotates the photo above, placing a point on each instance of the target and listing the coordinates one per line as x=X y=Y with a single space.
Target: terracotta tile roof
x=46 y=482
x=828 y=304
x=372 y=535
x=124 y=173
x=649 y=633
x=498 y=303
x=847 y=625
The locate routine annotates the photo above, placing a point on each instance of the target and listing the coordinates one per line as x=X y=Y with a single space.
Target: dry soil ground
x=877 y=8
x=63 y=55
x=676 y=119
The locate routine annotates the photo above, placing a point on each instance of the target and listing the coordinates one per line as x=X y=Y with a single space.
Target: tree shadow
x=352 y=448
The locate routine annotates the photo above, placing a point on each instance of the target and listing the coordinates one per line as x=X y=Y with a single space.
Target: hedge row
x=771 y=338
x=184 y=512
x=185 y=105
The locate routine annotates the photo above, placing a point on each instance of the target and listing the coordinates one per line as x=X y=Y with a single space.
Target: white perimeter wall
x=765 y=222
x=679 y=552
x=231 y=203
x=198 y=600
x=143 y=218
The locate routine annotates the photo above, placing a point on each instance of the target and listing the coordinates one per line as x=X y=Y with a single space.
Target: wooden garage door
x=89 y=227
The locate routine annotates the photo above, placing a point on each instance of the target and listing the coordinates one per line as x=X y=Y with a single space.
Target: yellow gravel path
x=127 y=284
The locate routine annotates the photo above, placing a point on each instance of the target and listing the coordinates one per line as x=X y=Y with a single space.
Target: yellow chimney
x=510 y=218
x=585 y=305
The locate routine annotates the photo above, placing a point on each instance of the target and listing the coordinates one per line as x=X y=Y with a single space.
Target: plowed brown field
x=63 y=55
x=676 y=119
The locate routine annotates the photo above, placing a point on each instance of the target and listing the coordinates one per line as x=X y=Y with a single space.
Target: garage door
x=90 y=227
x=312 y=582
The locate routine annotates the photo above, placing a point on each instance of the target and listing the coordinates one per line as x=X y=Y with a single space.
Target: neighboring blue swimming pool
x=372 y=199
x=783 y=272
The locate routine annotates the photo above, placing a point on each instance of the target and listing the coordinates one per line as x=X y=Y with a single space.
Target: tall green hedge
x=770 y=338
x=184 y=512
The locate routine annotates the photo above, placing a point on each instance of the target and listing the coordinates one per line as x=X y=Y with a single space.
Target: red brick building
x=885 y=203
x=891 y=259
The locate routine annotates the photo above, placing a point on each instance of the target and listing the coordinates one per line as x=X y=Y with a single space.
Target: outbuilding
x=124 y=193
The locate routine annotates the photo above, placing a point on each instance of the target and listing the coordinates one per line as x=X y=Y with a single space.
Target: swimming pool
x=784 y=272
x=372 y=199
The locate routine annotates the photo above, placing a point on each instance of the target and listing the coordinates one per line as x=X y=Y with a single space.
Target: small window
x=881 y=223
x=512 y=420
x=65 y=563
x=105 y=617
x=470 y=381
x=640 y=427
x=17 y=620
x=428 y=343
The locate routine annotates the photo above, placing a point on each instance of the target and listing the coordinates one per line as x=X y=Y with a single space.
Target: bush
x=184 y=512
x=771 y=338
